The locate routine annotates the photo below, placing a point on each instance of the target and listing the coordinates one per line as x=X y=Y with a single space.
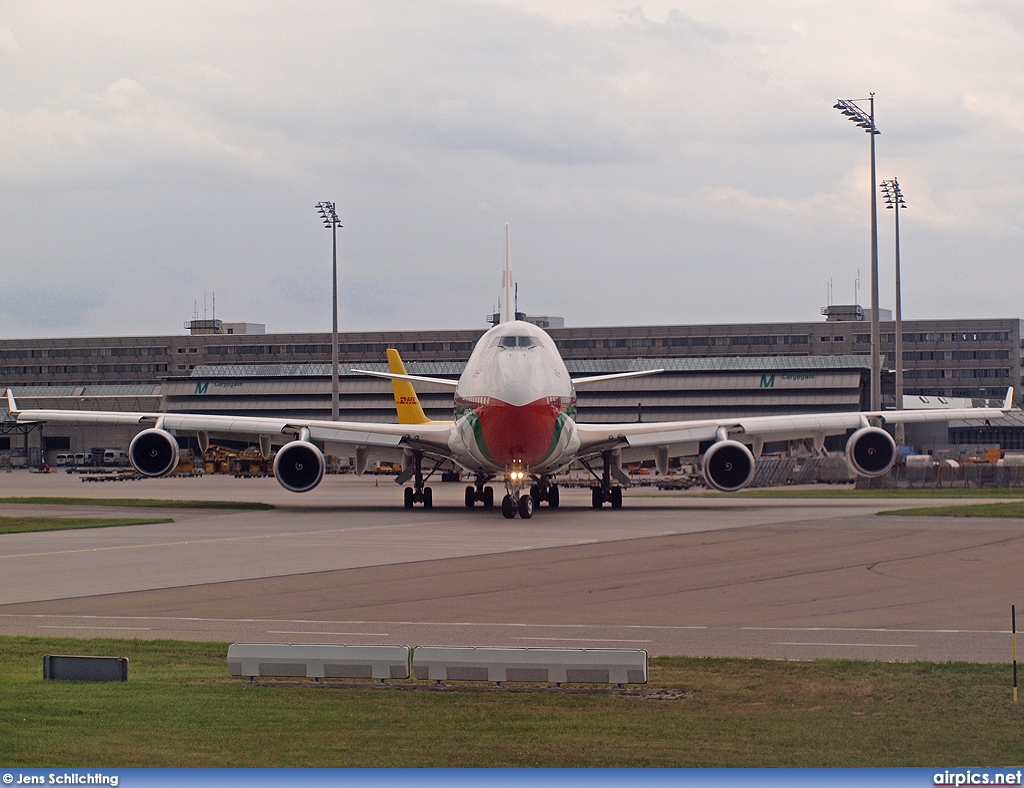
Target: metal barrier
x=318 y=661
x=552 y=665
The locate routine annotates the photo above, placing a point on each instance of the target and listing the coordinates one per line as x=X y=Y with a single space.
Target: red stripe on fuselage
x=518 y=433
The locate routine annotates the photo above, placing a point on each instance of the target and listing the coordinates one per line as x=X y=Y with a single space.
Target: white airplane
x=515 y=420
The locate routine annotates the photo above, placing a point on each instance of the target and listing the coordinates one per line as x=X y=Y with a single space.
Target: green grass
x=849 y=492
x=21 y=525
x=144 y=503
x=1009 y=509
x=180 y=709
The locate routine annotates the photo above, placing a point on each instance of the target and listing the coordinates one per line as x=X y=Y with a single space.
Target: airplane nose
x=518 y=393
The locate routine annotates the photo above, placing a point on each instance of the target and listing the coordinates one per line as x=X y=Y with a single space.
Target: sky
x=658 y=163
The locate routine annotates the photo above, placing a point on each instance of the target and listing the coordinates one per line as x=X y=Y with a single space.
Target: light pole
x=866 y=121
x=893 y=202
x=330 y=217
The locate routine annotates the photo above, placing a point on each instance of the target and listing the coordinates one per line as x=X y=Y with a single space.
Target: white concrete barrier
x=552 y=665
x=318 y=661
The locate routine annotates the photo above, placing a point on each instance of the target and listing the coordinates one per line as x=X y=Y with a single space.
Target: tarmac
x=671 y=573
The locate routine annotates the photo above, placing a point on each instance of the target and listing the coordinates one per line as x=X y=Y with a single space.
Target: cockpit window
x=514 y=341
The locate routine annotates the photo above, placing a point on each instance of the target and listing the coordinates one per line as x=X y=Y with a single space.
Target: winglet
x=1007 y=402
x=406 y=402
x=12 y=406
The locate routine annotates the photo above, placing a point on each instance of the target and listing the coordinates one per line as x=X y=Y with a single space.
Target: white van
x=114 y=457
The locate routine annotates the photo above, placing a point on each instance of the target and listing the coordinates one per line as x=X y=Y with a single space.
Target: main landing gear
x=480 y=492
x=604 y=492
x=418 y=493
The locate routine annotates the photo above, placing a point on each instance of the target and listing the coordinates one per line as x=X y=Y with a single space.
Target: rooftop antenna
x=856 y=288
x=508 y=298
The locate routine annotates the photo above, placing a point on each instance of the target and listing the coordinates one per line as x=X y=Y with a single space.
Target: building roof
x=575 y=367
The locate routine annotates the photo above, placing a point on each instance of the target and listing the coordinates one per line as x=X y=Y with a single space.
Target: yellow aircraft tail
x=406 y=402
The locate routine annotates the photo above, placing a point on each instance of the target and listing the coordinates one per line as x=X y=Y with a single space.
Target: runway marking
x=221 y=540
x=359 y=634
x=879 y=629
x=851 y=645
x=52 y=626
x=588 y=640
x=196 y=619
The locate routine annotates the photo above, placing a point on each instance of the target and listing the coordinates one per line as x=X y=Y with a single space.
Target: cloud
x=8 y=44
x=647 y=155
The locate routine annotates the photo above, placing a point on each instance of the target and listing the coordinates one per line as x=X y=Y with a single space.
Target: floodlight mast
x=893 y=202
x=866 y=121
x=330 y=219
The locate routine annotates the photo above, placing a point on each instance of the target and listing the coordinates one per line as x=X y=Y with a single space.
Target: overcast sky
x=663 y=162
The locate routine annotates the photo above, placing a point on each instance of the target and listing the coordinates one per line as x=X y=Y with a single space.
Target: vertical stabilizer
x=508 y=299
x=406 y=402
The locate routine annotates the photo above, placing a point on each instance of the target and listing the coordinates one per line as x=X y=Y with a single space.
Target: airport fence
x=945 y=475
x=782 y=471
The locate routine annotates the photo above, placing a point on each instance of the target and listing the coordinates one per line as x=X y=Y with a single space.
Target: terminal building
x=711 y=370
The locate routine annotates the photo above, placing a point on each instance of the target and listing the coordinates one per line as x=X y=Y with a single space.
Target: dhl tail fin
x=406 y=402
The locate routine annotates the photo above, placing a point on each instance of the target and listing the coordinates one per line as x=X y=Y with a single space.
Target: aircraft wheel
x=408 y=497
x=616 y=497
x=488 y=497
x=508 y=509
x=470 y=497
x=535 y=493
x=428 y=498
x=596 y=497
x=526 y=506
x=553 y=497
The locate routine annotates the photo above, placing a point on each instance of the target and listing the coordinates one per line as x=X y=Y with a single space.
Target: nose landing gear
x=516 y=500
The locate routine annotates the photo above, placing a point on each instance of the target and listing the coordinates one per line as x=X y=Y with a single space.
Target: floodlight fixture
x=328 y=214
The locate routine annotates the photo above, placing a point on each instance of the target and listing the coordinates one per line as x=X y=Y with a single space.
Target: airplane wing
x=409 y=378
x=584 y=382
x=426 y=437
x=684 y=437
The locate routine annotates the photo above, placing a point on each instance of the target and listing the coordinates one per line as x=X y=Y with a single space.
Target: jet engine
x=728 y=466
x=299 y=466
x=870 y=451
x=153 y=452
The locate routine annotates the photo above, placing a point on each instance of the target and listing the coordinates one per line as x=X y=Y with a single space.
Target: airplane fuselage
x=515 y=405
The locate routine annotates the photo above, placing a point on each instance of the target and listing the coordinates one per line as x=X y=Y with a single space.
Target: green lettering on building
x=202 y=386
x=767 y=382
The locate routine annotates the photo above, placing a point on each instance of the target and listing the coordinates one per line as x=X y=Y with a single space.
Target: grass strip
x=142 y=503
x=22 y=525
x=1008 y=509
x=847 y=492
x=181 y=709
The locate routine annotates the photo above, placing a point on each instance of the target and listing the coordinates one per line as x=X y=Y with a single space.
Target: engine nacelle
x=299 y=466
x=728 y=466
x=153 y=452
x=870 y=451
